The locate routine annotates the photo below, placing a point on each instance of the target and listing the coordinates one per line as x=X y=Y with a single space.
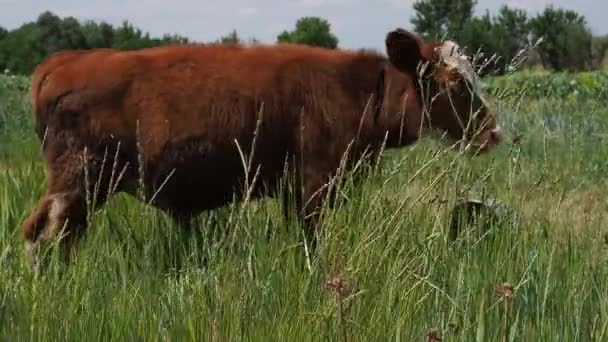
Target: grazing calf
x=180 y=117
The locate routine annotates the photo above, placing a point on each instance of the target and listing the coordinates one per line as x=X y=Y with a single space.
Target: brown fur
x=184 y=107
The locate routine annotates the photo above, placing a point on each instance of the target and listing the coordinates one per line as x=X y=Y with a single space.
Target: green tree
x=128 y=37
x=57 y=34
x=28 y=45
x=231 y=38
x=512 y=32
x=174 y=39
x=72 y=36
x=98 y=35
x=500 y=38
x=435 y=19
x=313 y=31
x=234 y=38
x=3 y=34
x=567 y=41
x=479 y=38
x=599 y=49
x=23 y=48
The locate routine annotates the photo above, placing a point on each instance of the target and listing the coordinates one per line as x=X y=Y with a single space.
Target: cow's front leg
x=188 y=226
x=76 y=187
x=314 y=195
x=59 y=217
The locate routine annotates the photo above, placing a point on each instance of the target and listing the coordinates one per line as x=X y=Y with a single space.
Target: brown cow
x=180 y=117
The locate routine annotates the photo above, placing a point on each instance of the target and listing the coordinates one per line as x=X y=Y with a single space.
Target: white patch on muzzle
x=497 y=132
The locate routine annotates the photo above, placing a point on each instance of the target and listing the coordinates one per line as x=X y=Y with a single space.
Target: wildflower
x=433 y=336
x=505 y=291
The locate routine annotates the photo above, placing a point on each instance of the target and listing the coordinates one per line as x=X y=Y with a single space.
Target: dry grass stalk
x=340 y=287
x=506 y=294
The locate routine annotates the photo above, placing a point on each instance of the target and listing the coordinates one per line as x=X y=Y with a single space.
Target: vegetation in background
x=386 y=270
x=311 y=31
x=23 y=48
x=542 y=85
x=500 y=38
x=234 y=38
x=434 y=18
x=567 y=42
x=566 y=39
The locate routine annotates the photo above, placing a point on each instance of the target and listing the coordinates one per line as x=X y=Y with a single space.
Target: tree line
x=23 y=48
x=567 y=42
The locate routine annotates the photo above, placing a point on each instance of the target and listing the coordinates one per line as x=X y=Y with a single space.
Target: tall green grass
x=385 y=269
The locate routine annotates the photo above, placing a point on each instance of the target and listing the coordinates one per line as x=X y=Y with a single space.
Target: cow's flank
x=182 y=117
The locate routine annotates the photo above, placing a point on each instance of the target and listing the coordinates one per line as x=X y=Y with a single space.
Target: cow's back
x=183 y=84
x=187 y=108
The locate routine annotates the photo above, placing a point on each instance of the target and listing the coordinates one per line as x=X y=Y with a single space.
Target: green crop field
x=385 y=270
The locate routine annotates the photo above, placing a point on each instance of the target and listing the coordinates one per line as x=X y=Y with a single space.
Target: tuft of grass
x=385 y=269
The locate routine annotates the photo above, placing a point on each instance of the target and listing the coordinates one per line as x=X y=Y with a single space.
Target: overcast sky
x=357 y=23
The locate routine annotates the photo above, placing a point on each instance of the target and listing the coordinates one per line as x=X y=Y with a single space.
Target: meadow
x=386 y=269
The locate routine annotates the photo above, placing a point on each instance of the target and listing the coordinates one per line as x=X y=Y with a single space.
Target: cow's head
x=432 y=87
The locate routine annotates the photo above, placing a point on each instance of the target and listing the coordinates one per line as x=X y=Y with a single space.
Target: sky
x=357 y=23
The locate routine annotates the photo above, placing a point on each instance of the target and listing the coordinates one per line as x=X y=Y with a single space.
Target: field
x=386 y=270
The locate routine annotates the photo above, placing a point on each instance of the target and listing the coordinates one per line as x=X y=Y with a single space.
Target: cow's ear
x=404 y=50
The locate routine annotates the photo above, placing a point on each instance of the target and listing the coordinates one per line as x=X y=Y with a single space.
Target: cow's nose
x=496 y=134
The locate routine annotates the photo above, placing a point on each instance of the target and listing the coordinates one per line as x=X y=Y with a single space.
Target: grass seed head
x=338 y=285
x=434 y=336
x=505 y=291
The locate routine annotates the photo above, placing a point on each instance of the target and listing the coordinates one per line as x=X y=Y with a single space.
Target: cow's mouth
x=485 y=142
x=482 y=143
